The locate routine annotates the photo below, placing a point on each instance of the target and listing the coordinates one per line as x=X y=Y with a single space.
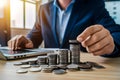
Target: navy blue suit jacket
x=84 y=14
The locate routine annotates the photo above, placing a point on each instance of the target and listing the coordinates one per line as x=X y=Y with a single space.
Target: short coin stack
x=42 y=60
x=63 y=56
x=52 y=58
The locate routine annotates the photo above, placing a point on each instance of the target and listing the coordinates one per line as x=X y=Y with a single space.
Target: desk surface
x=111 y=72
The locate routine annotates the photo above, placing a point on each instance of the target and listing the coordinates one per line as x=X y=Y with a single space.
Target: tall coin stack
x=75 y=51
x=42 y=60
x=63 y=56
x=52 y=58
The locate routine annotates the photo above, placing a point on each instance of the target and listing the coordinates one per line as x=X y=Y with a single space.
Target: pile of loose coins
x=59 y=62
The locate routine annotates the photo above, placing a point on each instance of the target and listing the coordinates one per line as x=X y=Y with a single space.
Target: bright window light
x=2 y=3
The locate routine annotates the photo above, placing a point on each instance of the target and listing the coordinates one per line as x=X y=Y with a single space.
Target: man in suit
x=62 y=20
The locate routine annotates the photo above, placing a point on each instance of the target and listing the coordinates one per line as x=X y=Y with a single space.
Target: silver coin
x=32 y=61
x=47 y=70
x=63 y=66
x=42 y=59
x=17 y=64
x=95 y=65
x=84 y=66
x=59 y=71
x=35 y=69
x=51 y=55
x=73 y=41
x=53 y=66
x=25 y=62
x=72 y=67
x=21 y=71
x=35 y=65
x=25 y=66
x=44 y=66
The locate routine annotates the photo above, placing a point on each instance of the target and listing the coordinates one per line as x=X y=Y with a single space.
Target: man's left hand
x=97 y=40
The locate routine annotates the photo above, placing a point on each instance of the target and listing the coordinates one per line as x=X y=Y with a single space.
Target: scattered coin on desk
x=18 y=64
x=25 y=66
x=59 y=71
x=25 y=62
x=34 y=69
x=95 y=65
x=85 y=66
x=35 y=65
x=21 y=71
x=72 y=67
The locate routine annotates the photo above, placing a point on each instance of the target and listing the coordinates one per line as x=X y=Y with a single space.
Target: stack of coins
x=42 y=60
x=46 y=69
x=75 y=51
x=52 y=58
x=63 y=56
x=32 y=61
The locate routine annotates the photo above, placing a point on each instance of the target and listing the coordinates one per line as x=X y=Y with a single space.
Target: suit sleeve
x=35 y=34
x=102 y=17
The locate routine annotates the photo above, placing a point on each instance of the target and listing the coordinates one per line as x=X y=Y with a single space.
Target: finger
x=106 y=50
x=21 y=42
x=88 y=32
x=18 y=42
x=13 y=45
x=99 y=45
x=8 y=43
x=96 y=37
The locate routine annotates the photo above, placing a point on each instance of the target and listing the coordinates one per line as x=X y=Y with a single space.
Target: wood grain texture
x=111 y=72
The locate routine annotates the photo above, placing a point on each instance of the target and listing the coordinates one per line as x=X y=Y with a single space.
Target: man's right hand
x=20 y=42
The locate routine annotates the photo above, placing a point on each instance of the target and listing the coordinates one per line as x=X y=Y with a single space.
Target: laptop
x=7 y=54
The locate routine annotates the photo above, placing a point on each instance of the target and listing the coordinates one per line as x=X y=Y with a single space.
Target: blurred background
x=18 y=16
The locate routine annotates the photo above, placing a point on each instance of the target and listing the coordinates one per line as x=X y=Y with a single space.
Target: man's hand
x=19 y=42
x=97 y=40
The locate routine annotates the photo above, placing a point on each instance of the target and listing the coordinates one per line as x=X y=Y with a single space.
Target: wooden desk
x=112 y=71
